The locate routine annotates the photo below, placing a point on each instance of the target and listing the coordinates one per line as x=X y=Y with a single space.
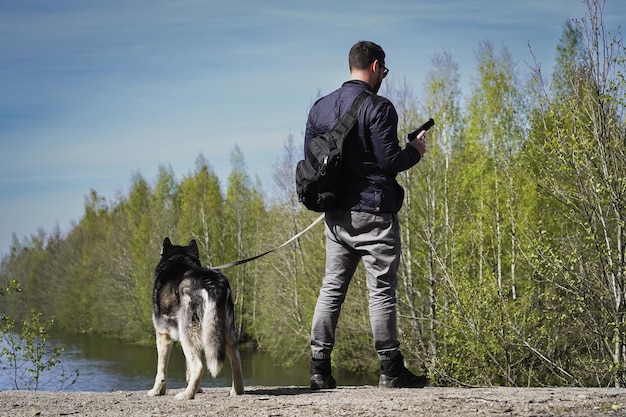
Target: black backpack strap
x=347 y=122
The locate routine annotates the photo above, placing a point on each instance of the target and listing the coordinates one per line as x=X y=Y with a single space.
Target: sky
x=93 y=92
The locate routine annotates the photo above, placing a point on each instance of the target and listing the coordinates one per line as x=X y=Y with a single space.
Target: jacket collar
x=358 y=84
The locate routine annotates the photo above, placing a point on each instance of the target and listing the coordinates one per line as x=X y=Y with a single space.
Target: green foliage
x=290 y=278
x=200 y=212
x=578 y=135
x=11 y=286
x=25 y=356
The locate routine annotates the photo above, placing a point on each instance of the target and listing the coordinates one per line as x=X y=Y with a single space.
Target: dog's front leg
x=164 y=347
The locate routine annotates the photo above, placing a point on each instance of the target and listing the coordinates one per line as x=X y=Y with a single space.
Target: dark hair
x=363 y=53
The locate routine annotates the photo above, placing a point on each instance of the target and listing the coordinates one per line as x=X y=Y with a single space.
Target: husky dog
x=194 y=305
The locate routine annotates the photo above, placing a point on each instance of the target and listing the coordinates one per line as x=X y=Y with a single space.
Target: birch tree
x=200 y=203
x=293 y=273
x=243 y=210
x=578 y=142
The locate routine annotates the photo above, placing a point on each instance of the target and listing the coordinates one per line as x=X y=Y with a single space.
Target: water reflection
x=109 y=365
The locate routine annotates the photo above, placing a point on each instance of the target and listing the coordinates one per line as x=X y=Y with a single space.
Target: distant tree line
x=514 y=239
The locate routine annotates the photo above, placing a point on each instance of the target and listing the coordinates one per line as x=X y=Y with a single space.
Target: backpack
x=317 y=174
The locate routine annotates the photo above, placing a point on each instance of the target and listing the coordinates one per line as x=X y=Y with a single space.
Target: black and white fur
x=194 y=305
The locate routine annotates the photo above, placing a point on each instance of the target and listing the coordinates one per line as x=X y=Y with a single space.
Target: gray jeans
x=350 y=237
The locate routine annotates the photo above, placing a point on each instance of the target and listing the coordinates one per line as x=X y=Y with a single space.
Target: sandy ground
x=344 y=401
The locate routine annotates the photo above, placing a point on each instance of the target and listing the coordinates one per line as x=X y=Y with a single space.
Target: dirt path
x=345 y=401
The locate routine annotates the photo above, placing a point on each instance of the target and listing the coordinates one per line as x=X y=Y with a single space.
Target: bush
x=25 y=354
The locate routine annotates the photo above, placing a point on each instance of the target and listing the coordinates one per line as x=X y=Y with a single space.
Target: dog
x=193 y=304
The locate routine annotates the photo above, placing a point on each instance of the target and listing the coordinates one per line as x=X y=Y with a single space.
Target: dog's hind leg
x=235 y=362
x=164 y=347
x=188 y=367
x=195 y=369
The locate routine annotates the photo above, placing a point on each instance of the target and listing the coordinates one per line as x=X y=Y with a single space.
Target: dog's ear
x=194 y=247
x=167 y=243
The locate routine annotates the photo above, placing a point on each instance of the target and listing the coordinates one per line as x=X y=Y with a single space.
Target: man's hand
x=419 y=143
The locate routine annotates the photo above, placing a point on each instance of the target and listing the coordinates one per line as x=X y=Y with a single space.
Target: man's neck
x=364 y=76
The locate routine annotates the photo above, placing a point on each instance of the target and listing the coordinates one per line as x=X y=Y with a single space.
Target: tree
x=433 y=192
x=201 y=217
x=292 y=274
x=165 y=209
x=243 y=210
x=481 y=301
x=578 y=141
x=143 y=245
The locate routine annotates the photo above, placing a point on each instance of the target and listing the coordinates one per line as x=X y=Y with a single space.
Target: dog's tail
x=213 y=334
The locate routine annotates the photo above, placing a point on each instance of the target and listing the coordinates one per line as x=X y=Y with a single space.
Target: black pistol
x=411 y=136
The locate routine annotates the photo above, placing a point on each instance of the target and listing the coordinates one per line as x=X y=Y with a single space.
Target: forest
x=514 y=266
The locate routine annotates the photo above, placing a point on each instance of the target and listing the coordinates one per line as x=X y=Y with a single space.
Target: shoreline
x=294 y=401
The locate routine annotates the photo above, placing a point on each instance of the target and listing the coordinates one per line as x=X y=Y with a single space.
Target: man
x=365 y=226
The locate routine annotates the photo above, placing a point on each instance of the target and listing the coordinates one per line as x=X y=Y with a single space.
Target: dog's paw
x=154 y=392
x=233 y=392
x=184 y=395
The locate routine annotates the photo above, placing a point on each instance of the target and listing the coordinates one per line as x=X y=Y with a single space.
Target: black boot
x=321 y=377
x=393 y=374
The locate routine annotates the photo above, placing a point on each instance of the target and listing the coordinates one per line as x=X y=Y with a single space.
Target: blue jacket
x=372 y=159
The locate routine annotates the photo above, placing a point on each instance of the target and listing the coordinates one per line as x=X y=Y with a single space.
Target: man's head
x=367 y=63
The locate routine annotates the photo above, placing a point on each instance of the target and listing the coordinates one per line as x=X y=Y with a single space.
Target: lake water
x=110 y=365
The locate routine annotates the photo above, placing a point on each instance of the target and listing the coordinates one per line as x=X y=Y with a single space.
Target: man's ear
x=375 y=66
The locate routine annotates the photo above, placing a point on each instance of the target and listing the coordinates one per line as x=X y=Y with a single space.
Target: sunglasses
x=385 y=70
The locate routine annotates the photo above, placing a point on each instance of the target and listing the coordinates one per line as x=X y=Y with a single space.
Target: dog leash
x=243 y=261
